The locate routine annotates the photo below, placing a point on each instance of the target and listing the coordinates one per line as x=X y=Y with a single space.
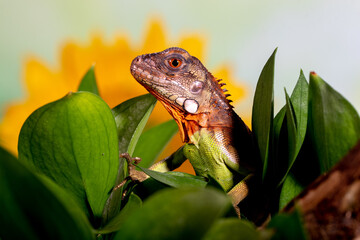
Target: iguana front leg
x=170 y=163
x=167 y=164
x=134 y=175
x=237 y=191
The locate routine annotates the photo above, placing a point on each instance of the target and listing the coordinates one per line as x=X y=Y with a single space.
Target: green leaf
x=297 y=116
x=31 y=211
x=176 y=214
x=153 y=141
x=278 y=149
x=73 y=141
x=263 y=109
x=292 y=131
x=300 y=102
x=232 y=228
x=176 y=179
x=114 y=224
x=278 y=123
x=289 y=132
x=290 y=189
x=335 y=124
x=306 y=168
x=148 y=187
x=130 y=117
x=88 y=82
x=288 y=226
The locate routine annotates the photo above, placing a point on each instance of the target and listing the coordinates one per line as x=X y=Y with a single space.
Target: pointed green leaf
x=31 y=211
x=176 y=214
x=176 y=179
x=288 y=226
x=297 y=116
x=306 y=168
x=335 y=124
x=232 y=228
x=88 y=83
x=114 y=224
x=300 y=102
x=130 y=117
x=278 y=123
x=290 y=189
x=292 y=131
x=286 y=143
x=73 y=141
x=263 y=108
x=290 y=126
x=278 y=150
x=153 y=141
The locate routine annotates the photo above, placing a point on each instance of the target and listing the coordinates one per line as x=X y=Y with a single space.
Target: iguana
x=217 y=141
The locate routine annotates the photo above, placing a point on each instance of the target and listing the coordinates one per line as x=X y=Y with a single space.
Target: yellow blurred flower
x=44 y=84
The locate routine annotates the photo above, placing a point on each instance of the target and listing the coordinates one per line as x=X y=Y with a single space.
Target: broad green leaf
x=7 y=156
x=335 y=124
x=88 y=83
x=176 y=214
x=213 y=183
x=290 y=189
x=288 y=226
x=114 y=224
x=130 y=117
x=176 y=179
x=73 y=141
x=30 y=210
x=153 y=141
x=263 y=109
x=232 y=228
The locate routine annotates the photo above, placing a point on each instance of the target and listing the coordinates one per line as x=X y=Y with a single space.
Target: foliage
x=69 y=167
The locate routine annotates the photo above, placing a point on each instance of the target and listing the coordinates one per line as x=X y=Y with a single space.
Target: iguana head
x=182 y=84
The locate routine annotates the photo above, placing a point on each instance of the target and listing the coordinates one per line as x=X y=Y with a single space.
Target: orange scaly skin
x=218 y=143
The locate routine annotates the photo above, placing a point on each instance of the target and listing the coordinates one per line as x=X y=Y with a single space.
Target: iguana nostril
x=136 y=60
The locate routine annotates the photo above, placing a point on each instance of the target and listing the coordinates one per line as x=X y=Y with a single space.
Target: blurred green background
x=316 y=35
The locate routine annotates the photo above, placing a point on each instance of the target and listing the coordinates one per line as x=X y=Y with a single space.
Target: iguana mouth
x=143 y=76
x=157 y=86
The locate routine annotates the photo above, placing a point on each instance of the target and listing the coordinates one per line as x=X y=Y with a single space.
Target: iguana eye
x=175 y=62
x=196 y=87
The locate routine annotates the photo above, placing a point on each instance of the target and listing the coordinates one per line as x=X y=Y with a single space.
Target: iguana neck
x=189 y=124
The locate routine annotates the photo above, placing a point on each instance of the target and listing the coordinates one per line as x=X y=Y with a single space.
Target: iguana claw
x=134 y=175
